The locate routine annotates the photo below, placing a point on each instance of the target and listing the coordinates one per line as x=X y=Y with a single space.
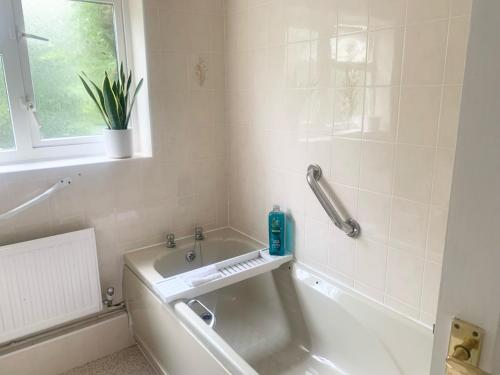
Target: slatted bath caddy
x=228 y=272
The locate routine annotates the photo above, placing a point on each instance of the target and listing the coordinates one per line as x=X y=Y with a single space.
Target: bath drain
x=190 y=256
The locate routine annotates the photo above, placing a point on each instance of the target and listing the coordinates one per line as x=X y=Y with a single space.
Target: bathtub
x=290 y=321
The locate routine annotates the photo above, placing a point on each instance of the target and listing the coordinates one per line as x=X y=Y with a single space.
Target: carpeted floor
x=129 y=361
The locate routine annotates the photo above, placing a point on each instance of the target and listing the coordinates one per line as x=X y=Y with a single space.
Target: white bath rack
x=218 y=275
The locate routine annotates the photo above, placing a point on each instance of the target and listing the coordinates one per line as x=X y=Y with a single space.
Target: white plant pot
x=119 y=143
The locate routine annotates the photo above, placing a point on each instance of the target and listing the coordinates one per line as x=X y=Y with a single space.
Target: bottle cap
x=276 y=207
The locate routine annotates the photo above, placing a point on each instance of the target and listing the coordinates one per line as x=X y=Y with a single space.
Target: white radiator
x=47 y=282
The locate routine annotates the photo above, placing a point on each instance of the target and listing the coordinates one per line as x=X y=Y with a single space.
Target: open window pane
x=81 y=38
x=7 y=141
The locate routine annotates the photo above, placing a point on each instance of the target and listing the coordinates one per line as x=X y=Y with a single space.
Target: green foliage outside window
x=81 y=38
x=6 y=134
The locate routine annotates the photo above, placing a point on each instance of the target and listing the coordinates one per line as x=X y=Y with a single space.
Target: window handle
x=32 y=36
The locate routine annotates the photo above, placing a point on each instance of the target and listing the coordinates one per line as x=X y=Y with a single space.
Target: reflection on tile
x=324 y=21
x=351 y=60
x=348 y=114
x=298 y=66
x=298 y=21
x=384 y=61
x=321 y=111
x=353 y=15
x=381 y=113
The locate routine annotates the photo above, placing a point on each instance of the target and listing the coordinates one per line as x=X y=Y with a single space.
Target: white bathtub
x=291 y=321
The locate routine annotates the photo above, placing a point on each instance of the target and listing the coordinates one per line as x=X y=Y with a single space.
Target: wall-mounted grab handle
x=61 y=184
x=349 y=226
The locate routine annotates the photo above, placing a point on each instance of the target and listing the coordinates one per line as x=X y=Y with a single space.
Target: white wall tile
x=424 y=10
x=450 y=111
x=461 y=7
x=413 y=174
x=353 y=15
x=425 y=49
x=443 y=173
x=380 y=121
x=385 y=57
x=331 y=94
x=351 y=59
x=404 y=277
x=432 y=280
x=374 y=211
x=348 y=112
x=371 y=264
x=457 y=50
x=387 y=13
x=377 y=165
x=284 y=77
x=157 y=195
x=437 y=233
x=345 y=163
x=409 y=224
x=419 y=115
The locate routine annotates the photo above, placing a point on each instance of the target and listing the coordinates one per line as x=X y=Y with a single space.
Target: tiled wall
x=134 y=203
x=370 y=91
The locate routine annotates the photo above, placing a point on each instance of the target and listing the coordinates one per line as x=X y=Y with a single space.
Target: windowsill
x=60 y=163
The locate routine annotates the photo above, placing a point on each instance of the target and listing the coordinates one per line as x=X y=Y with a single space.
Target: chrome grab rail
x=349 y=226
x=61 y=184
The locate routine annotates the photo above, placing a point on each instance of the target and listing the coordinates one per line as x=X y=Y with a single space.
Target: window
x=6 y=133
x=44 y=110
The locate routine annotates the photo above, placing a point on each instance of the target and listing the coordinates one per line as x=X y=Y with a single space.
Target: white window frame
x=14 y=49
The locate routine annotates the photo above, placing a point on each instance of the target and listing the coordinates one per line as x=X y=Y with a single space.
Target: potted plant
x=115 y=104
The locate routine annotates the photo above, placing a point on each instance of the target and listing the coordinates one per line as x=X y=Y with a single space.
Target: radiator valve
x=108 y=299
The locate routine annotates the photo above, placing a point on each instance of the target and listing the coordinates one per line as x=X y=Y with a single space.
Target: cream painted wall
x=133 y=203
x=369 y=90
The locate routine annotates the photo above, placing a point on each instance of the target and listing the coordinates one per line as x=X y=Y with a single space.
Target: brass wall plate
x=462 y=335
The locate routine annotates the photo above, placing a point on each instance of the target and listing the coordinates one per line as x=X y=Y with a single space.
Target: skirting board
x=71 y=350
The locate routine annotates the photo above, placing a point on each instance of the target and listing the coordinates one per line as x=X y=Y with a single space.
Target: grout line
x=403 y=59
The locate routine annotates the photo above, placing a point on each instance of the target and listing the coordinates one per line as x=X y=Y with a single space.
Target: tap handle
x=171 y=240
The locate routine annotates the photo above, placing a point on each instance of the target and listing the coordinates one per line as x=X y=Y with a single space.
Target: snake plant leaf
x=122 y=78
x=101 y=98
x=139 y=85
x=129 y=82
x=119 y=102
x=111 y=104
x=93 y=97
x=113 y=100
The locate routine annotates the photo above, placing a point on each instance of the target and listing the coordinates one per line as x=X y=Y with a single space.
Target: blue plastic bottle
x=277 y=227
